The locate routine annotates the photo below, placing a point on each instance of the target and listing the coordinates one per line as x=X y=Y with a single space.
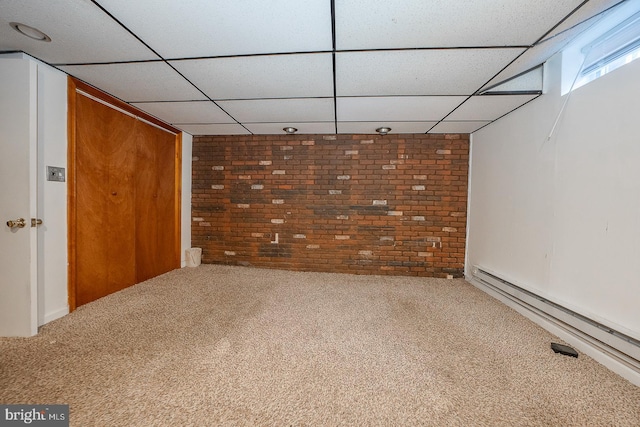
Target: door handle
x=18 y=223
x=36 y=222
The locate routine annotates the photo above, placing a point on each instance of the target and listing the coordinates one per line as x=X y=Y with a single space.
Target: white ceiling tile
x=397 y=108
x=80 y=32
x=194 y=28
x=280 y=110
x=409 y=90
x=531 y=80
x=368 y=24
x=582 y=20
x=423 y=72
x=281 y=76
x=396 y=127
x=186 y=112
x=214 y=129
x=538 y=54
x=303 y=128
x=587 y=11
x=137 y=82
x=458 y=127
x=488 y=107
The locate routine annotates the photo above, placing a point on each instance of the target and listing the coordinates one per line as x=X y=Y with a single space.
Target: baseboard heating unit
x=614 y=349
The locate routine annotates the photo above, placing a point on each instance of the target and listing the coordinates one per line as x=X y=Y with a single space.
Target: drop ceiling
x=231 y=67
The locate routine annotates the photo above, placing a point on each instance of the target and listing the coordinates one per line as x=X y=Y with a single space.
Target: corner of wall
x=467 y=272
x=185 y=227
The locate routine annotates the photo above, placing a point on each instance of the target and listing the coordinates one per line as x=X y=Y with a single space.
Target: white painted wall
x=187 y=144
x=560 y=216
x=49 y=121
x=52 y=196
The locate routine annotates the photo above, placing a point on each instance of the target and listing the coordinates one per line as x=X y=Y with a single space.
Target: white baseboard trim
x=49 y=317
x=612 y=359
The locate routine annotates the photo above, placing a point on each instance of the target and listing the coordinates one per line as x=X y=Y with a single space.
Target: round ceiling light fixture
x=383 y=130
x=32 y=33
x=290 y=130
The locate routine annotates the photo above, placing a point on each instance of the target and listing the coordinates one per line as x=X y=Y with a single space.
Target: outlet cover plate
x=55 y=174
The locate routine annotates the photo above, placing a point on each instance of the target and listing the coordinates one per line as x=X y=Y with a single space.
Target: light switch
x=55 y=174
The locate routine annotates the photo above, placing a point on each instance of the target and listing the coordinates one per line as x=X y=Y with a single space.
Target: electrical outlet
x=55 y=174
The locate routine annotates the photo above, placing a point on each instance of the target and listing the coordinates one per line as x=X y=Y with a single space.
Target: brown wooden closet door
x=105 y=200
x=155 y=202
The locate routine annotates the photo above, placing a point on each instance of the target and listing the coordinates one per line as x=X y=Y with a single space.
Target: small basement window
x=611 y=43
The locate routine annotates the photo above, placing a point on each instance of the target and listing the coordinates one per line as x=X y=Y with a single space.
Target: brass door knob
x=18 y=223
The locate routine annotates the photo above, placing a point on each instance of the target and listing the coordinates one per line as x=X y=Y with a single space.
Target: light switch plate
x=55 y=174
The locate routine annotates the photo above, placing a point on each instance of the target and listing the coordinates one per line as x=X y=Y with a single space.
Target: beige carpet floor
x=220 y=345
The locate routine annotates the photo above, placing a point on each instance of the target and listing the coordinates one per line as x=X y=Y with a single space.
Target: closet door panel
x=146 y=213
x=155 y=204
x=122 y=197
x=105 y=200
x=166 y=204
x=92 y=264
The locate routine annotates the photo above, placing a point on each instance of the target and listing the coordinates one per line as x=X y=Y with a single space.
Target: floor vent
x=618 y=346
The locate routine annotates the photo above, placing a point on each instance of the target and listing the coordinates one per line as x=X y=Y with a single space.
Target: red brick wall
x=364 y=204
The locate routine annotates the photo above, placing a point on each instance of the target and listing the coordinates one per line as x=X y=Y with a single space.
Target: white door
x=18 y=184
